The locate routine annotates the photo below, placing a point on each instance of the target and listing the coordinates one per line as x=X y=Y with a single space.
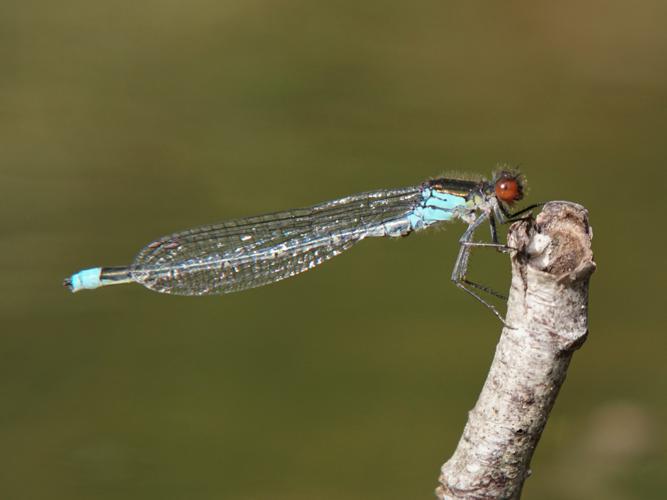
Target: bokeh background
x=122 y=121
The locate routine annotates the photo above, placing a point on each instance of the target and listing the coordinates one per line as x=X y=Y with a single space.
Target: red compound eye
x=508 y=190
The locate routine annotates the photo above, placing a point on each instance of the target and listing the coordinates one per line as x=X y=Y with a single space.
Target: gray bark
x=548 y=315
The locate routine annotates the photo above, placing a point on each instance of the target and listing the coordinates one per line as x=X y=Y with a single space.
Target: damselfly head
x=508 y=186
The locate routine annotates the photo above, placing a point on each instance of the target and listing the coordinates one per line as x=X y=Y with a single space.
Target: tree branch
x=548 y=313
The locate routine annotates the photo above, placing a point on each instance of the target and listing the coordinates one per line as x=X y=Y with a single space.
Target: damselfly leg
x=461 y=267
x=466 y=244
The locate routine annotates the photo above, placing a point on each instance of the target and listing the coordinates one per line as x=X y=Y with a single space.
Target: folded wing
x=254 y=251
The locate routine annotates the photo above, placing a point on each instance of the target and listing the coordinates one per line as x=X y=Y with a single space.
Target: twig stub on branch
x=548 y=314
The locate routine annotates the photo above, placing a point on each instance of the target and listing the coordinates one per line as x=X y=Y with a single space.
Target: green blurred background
x=122 y=121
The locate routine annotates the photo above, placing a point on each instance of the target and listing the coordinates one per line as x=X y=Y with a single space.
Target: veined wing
x=255 y=251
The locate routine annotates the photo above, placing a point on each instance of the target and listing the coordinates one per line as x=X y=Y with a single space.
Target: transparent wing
x=255 y=251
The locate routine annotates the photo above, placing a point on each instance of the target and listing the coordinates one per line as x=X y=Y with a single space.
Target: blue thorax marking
x=435 y=207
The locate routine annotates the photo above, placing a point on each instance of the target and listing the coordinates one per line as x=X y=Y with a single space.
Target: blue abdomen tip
x=88 y=279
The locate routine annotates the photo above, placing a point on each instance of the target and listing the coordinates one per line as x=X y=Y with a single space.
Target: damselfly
x=255 y=251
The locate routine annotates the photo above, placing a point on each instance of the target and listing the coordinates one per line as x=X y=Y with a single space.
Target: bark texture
x=548 y=315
